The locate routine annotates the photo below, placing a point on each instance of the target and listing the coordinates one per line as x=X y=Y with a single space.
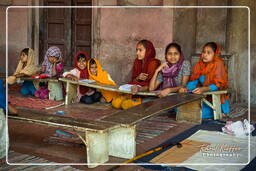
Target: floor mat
x=238 y=109
x=32 y=102
x=15 y=157
x=211 y=125
x=221 y=149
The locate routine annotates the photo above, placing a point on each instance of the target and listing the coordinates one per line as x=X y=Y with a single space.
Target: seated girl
x=143 y=70
x=51 y=67
x=84 y=94
x=209 y=74
x=173 y=74
x=100 y=76
x=26 y=67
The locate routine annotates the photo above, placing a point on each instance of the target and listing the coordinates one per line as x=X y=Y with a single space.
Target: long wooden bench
x=114 y=135
x=71 y=94
x=71 y=89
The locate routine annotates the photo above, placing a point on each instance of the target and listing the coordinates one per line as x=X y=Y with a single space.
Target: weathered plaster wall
x=116 y=32
x=121 y=29
x=237 y=43
x=184 y=27
x=18 y=32
x=253 y=52
x=211 y=24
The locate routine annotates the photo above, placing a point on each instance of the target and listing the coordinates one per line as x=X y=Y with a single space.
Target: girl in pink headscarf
x=52 y=67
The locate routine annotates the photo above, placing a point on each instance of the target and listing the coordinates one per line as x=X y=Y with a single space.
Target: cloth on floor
x=223 y=149
x=33 y=103
x=178 y=155
x=238 y=128
x=211 y=125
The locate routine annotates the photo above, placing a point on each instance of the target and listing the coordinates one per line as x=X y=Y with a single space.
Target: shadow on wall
x=3 y=59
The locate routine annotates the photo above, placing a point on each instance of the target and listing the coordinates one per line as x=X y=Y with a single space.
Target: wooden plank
x=56 y=92
x=122 y=142
x=107 y=87
x=151 y=108
x=61 y=121
x=208 y=103
x=216 y=92
x=97 y=148
x=216 y=106
x=71 y=93
x=39 y=79
x=190 y=112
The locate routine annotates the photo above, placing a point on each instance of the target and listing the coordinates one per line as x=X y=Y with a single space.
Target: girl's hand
x=162 y=66
x=200 y=90
x=134 y=89
x=183 y=90
x=163 y=93
x=142 y=76
x=72 y=77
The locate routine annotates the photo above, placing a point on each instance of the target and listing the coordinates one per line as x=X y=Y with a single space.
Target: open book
x=87 y=81
x=125 y=87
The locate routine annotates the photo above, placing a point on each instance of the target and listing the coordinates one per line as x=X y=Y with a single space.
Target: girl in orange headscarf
x=101 y=76
x=209 y=74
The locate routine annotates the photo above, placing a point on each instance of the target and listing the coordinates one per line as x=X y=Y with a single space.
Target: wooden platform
x=133 y=115
x=113 y=135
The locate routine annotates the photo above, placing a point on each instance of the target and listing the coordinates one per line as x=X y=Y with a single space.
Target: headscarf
x=83 y=72
x=52 y=51
x=29 y=68
x=102 y=77
x=215 y=72
x=170 y=73
x=148 y=65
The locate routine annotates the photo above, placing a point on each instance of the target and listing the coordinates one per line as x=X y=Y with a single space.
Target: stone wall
x=117 y=31
x=19 y=32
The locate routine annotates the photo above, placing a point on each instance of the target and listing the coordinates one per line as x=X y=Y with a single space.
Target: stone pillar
x=237 y=44
x=184 y=27
x=211 y=24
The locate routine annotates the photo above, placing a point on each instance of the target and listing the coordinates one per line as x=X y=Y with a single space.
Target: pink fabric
x=42 y=93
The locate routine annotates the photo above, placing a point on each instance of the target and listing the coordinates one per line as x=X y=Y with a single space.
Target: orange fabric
x=215 y=72
x=102 y=77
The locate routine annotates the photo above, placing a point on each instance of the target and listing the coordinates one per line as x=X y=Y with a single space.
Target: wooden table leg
x=71 y=93
x=217 y=106
x=55 y=89
x=190 y=112
x=122 y=142
x=97 y=148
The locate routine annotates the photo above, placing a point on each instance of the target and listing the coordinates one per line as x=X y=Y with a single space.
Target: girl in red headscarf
x=144 y=66
x=80 y=72
x=143 y=70
x=209 y=74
